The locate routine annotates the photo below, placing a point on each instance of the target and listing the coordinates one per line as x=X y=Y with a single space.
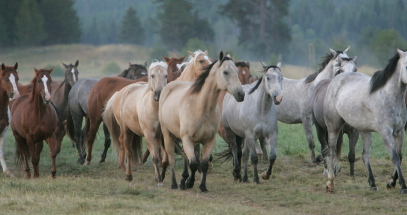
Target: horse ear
x=182 y=58
x=51 y=70
x=145 y=64
x=279 y=65
x=66 y=66
x=355 y=58
x=76 y=63
x=401 y=53
x=332 y=51
x=221 y=55
x=36 y=71
x=346 y=50
x=263 y=65
x=15 y=66
x=248 y=64
x=206 y=52
x=166 y=59
x=192 y=54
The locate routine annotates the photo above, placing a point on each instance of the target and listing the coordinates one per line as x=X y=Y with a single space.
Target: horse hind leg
x=367 y=142
x=307 y=124
x=250 y=142
x=207 y=149
x=35 y=151
x=189 y=149
x=353 y=135
x=22 y=152
x=107 y=143
x=3 y=137
x=169 y=146
x=272 y=143
x=397 y=158
x=185 y=172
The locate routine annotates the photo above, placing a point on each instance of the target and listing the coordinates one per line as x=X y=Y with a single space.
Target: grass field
x=297 y=186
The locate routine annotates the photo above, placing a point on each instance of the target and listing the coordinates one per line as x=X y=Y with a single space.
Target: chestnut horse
x=189 y=111
x=98 y=97
x=135 y=110
x=34 y=120
x=8 y=91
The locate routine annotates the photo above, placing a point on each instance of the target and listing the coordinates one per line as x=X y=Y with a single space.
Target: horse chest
x=202 y=132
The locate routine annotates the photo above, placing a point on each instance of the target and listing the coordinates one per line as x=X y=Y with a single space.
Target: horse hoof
x=189 y=184
x=53 y=173
x=318 y=159
x=80 y=161
x=129 y=178
x=87 y=163
x=390 y=184
x=330 y=187
x=264 y=176
x=374 y=188
x=9 y=173
x=174 y=186
x=182 y=187
x=203 y=188
x=160 y=184
x=403 y=191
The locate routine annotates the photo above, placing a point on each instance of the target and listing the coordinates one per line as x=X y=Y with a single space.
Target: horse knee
x=204 y=166
x=193 y=165
x=254 y=158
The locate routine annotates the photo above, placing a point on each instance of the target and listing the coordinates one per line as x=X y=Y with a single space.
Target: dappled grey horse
x=318 y=97
x=369 y=104
x=254 y=118
x=297 y=105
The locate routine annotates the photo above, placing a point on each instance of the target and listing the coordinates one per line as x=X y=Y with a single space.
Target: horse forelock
x=380 y=78
x=200 y=81
x=225 y=59
x=158 y=63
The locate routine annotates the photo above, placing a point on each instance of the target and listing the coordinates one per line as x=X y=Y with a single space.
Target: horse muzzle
x=277 y=99
x=239 y=96
x=157 y=95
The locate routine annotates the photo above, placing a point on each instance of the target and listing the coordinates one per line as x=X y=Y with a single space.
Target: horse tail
x=19 y=157
x=70 y=131
x=225 y=155
x=110 y=121
x=136 y=150
x=339 y=145
x=85 y=131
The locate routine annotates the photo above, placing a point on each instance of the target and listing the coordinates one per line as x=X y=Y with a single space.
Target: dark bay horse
x=135 y=71
x=8 y=91
x=98 y=97
x=34 y=120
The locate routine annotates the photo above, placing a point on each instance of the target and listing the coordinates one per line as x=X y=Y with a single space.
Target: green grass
x=296 y=186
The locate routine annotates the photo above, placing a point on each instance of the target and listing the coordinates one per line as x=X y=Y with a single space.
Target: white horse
x=369 y=104
x=297 y=105
x=254 y=118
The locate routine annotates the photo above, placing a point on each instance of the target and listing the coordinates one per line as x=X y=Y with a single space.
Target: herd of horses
x=174 y=102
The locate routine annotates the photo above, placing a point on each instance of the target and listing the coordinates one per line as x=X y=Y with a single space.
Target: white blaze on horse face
x=13 y=82
x=178 y=66
x=207 y=58
x=47 y=94
x=73 y=74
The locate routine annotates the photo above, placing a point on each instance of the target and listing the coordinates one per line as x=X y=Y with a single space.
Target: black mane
x=380 y=78
x=200 y=81
x=256 y=86
x=324 y=63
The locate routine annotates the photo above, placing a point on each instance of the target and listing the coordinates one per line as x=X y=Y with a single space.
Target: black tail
x=19 y=158
x=70 y=131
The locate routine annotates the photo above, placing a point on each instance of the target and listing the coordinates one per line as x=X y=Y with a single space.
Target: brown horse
x=98 y=97
x=34 y=120
x=8 y=91
x=134 y=110
x=60 y=89
x=188 y=111
x=197 y=61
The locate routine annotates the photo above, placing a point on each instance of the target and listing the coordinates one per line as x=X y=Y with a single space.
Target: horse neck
x=170 y=75
x=188 y=74
x=395 y=87
x=67 y=88
x=36 y=99
x=262 y=100
x=208 y=96
x=326 y=73
x=4 y=100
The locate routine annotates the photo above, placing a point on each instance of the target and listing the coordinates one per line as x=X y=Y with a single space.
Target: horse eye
x=174 y=70
x=152 y=76
x=225 y=72
x=268 y=78
x=166 y=76
x=7 y=79
x=201 y=61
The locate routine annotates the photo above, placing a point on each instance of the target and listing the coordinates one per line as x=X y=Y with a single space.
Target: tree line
x=258 y=29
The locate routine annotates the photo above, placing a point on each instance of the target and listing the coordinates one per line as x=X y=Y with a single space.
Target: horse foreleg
x=78 y=136
x=272 y=145
x=3 y=137
x=235 y=146
x=353 y=135
x=127 y=142
x=53 y=152
x=35 y=151
x=107 y=143
x=189 y=149
x=153 y=145
x=332 y=141
x=307 y=124
x=396 y=156
x=169 y=146
x=164 y=163
x=207 y=149
x=185 y=172
x=322 y=135
x=250 y=142
x=367 y=142
x=263 y=145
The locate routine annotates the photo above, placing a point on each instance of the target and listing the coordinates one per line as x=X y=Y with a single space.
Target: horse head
x=343 y=65
x=273 y=80
x=227 y=77
x=136 y=71
x=42 y=84
x=403 y=65
x=174 y=67
x=157 y=78
x=8 y=80
x=71 y=73
x=244 y=72
x=199 y=60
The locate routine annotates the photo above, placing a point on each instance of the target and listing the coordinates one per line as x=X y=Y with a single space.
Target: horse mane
x=199 y=82
x=158 y=63
x=34 y=85
x=380 y=78
x=256 y=86
x=241 y=64
x=124 y=73
x=324 y=63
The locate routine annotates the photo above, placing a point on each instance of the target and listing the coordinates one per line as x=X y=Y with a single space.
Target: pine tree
x=29 y=25
x=262 y=24
x=92 y=35
x=8 y=12
x=131 y=30
x=179 y=24
x=61 y=22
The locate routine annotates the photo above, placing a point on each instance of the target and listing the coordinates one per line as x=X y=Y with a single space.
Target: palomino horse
x=60 y=89
x=34 y=120
x=369 y=104
x=8 y=91
x=297 y=106
x=188 y=111
x=98 y=97
x=135 y=110
x=318 y=98
x=195 y=65
x=135 y=71
x=254 y=118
